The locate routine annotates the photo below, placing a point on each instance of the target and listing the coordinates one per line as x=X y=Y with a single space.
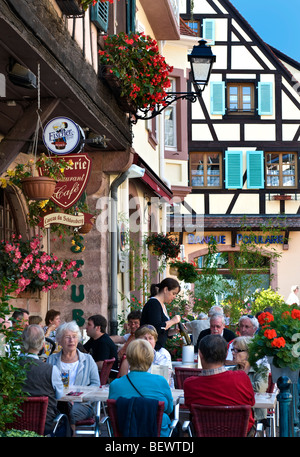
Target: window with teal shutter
x=255 y=169
x=265 y=98
x=208 y=31
x=217 y=97
x=233 y=169
x=99 y=15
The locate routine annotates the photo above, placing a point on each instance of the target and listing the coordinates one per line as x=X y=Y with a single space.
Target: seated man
x=248 y=326
x=134 y=320
x=216 y=385
x=100 y=345
x=43 y=380
x=217 y=327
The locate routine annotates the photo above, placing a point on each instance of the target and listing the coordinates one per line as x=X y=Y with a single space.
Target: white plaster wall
x=261 y=132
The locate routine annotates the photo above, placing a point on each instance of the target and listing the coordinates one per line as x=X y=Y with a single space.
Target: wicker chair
x=33 y=415
x=219 y=421
x=181 y=373
x=105 y=370
x=112 y=418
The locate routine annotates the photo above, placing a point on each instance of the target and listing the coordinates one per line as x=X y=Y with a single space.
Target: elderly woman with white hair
x=81 y=367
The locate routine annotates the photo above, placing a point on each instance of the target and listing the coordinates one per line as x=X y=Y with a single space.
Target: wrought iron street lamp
x=201 y=60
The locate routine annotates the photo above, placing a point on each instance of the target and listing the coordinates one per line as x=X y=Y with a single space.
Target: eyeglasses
x=69 y=337
x=237 y=350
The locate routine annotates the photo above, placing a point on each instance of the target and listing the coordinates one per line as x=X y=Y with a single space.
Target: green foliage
x=187 y=271
x=265 y=298
x=19 y=434
x=278 y=337
x=12 y=375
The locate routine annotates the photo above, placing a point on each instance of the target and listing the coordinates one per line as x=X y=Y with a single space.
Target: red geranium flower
x=270 y=334
x=278 y=343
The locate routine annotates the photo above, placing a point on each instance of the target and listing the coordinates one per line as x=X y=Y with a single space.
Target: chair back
x=105 y=370
x=112 y=413
x=220 y=421
x=271 y=385
x=121 y=362
x=182 y=373
x=32 y=417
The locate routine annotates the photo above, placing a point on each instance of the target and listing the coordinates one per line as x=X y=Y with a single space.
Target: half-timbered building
x=243 y=144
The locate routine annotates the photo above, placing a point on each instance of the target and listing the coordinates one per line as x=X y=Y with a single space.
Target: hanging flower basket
x=186 y=271
x=38 y=187
x=125 y=102
x=141 y=73
x=86 y=228
x=162 y=246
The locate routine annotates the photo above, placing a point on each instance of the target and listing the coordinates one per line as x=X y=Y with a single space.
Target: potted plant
x=279 y=340
x=76 y=7
x=27 y=265
x=186 y=271
x=37 y=178
x=132 y=65
x=162 y=246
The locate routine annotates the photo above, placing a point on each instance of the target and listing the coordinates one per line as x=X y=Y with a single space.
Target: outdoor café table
x=90 y=394
x=262 y=400
x=100 y=395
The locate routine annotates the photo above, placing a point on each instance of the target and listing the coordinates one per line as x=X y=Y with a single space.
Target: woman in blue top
x=140 y=356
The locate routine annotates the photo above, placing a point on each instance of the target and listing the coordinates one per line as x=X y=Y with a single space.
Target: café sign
x=62 y=136
x=69 y=191
x=71 y=220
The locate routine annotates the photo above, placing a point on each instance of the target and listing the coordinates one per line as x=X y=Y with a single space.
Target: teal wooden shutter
x=265 y=98
x=217 y=97
x=233 y=169
x=208 y=31
x=99 y=15
x=255 y=169
x=130 y=15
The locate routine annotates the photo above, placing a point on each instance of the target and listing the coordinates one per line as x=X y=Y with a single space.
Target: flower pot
x=38 y=187
x=70 y=7
x=293 y=375
x=85 y=228
x=173 y=271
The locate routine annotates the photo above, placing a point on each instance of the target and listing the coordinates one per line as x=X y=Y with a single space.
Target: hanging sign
x=71 y=220
x=69 y=191
x=62 y=136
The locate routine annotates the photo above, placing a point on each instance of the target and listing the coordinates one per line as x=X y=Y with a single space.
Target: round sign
x=62 y=136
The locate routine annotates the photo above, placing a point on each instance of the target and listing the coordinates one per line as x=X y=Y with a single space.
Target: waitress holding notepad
x=155 y=312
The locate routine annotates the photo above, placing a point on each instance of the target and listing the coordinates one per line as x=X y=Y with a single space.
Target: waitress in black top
x=155 y=312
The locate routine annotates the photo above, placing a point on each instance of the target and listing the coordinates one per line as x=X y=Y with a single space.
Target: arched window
x=8 y=220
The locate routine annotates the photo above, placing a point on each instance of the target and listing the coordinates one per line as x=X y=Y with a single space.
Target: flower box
x=71 y=7
x=282 y=197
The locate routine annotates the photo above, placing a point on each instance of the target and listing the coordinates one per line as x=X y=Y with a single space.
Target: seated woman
x=81 y=367
x=140 y=356
x=258 y=378
x=161 y=357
